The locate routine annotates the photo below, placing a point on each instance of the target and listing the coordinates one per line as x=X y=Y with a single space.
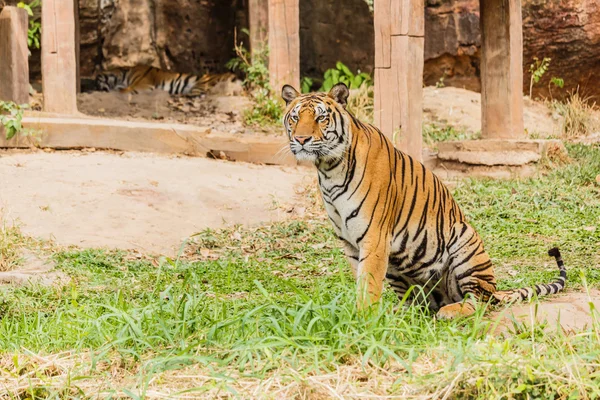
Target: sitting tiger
x=141 y=78
x=395 y=218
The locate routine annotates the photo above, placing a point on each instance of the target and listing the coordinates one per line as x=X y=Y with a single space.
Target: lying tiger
x=395 y=218
x=141 y=78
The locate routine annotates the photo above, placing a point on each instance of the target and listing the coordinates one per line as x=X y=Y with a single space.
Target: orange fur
x=142 y=78
x=394 y=217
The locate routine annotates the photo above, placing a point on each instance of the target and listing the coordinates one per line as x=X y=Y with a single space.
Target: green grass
x=269 y=313
x=434 y=133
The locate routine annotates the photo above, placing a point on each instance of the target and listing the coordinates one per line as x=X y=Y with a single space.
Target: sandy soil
x=567 y=311
x=462 y=108
x=136 y=201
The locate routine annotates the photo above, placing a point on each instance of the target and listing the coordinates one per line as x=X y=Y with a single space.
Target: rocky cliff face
x=331 y=32
x=452 y=42
x=567 y=31
x=183 y=35
x=197 y=36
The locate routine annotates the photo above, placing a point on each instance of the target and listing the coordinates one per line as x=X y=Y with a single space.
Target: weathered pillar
x=399 y=52
x=501 y=69
x=284 y=43
x=14 y=63
x=77 y=46
x=258 y=11
x=59 y=68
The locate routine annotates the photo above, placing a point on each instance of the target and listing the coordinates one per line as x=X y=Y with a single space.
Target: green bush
x=267 y=108
x=11 y=115
x=35 y=26
x=341 y=73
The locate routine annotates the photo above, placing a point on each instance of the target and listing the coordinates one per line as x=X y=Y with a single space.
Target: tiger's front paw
x=455 y=310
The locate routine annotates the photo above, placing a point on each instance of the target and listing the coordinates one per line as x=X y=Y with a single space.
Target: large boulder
x=452 y=43
x=181 y=35
x=567 y=31
x=332 y=31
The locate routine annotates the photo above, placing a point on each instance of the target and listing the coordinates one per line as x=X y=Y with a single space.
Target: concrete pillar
x=14 y=63
x=284 y=43
x=501 y=70
x=258 y=11
x=399 y=52
x=59 y=66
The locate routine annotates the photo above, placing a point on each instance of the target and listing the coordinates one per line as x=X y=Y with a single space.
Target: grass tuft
x=434 y=133
x=11 y=242
x=578 y=116
x=360 y=103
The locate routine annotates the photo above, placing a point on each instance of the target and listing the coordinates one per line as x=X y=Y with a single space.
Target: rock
x=452 y=42
x=89 y=14
x=124 y=33
x=331 y=31
x=567 y=31
x=127 y=27
x=496 y=152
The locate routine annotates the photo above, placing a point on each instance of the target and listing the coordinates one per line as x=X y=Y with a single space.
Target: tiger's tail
x=542 y=289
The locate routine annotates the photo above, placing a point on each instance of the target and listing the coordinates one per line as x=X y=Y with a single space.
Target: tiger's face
x=317 y=123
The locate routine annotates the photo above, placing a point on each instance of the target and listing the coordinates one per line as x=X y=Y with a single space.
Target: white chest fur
x=343 y=211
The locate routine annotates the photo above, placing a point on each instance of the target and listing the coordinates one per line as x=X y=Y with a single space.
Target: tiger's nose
x=302 y=139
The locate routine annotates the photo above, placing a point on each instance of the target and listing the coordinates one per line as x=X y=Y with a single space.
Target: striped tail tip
x=539 y=289
x=554 y=252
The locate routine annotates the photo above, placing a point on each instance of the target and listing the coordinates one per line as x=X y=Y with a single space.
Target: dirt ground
x=222 y=109
x=140 y=201
x=567 y=311
x=462 y=108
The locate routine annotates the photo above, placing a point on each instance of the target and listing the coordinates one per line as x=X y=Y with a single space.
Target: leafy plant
x=11 y=116
x=35 y=26
x=556 y=81
x=267 y=108
x=440 y=84
x=434 y=133
x=306 y=84
x=537 y=70
x=341 y=73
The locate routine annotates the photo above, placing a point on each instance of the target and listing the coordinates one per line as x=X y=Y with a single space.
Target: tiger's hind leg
x=470 y=274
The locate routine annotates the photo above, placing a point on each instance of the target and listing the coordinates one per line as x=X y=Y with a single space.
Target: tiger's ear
x=288 y=93
x=340 y=94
